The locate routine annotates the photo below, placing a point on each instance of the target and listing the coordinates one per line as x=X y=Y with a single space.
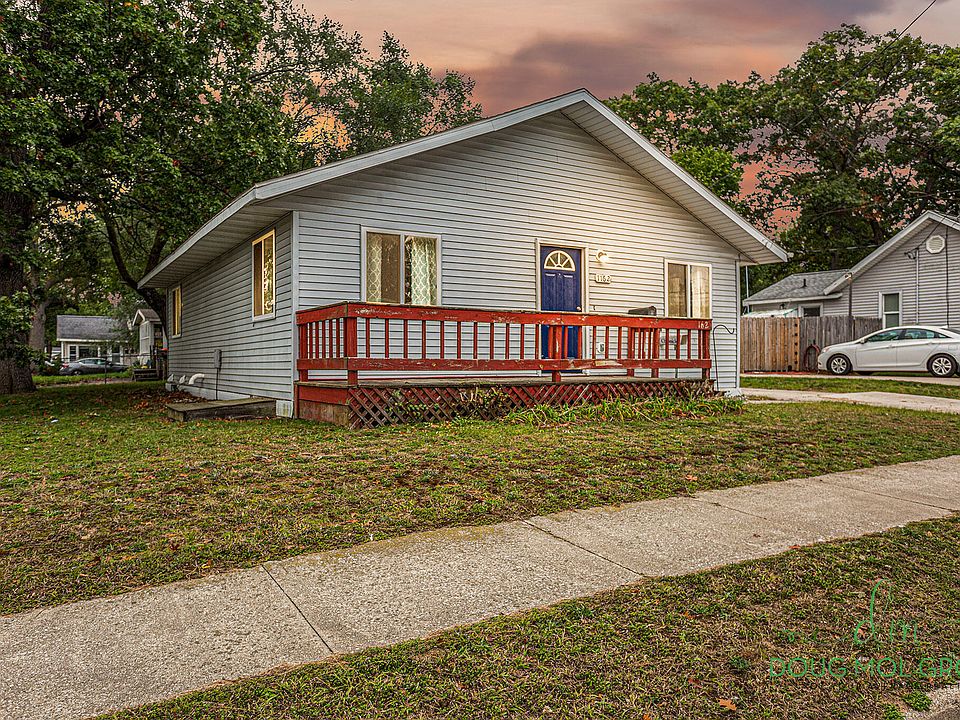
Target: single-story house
x=83 y=336
x=912 y=278
x=516 y=245
x=150 y=335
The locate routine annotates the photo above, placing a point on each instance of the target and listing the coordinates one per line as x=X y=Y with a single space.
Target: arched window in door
x=559 y=260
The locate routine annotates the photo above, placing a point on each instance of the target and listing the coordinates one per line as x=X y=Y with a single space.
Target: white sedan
x=916 y=348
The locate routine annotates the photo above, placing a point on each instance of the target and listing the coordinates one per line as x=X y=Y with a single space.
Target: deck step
x=223 y=409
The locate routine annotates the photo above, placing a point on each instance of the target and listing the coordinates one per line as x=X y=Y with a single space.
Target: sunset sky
x=520 y=52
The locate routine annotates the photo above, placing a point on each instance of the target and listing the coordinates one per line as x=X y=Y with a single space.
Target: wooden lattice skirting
x=390 y=402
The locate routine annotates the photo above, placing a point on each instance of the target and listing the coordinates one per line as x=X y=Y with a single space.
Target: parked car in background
x=922 y=348
x=91 y=366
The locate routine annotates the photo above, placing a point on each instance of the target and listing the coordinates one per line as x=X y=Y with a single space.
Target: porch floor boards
x=491 y=381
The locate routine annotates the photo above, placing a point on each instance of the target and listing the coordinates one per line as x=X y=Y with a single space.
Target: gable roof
x=799 y=286
x=96 y=328
x=912 y=230
x=143 y=315
x=246 y=214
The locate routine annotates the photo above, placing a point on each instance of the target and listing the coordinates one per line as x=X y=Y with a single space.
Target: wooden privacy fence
x=769 y=344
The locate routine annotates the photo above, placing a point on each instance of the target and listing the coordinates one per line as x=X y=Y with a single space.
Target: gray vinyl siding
x=217 y=304
x=836 y=306
x=938 y=290
x=939 y=293
x=491 y=199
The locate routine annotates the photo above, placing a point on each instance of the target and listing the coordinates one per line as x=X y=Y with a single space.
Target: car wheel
x=839 y=365
x=76 y=372
x=942 y=366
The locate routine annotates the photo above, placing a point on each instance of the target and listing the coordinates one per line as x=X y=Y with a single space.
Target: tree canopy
x=139 y=120
x=837 y=150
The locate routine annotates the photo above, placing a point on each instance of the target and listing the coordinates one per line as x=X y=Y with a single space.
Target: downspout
x=849 y=277
x=915 y=256
x=946 y=269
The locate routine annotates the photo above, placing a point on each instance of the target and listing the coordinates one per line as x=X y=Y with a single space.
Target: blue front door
x=560 y=291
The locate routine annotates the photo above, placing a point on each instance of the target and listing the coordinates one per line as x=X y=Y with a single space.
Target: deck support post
x=350 y=347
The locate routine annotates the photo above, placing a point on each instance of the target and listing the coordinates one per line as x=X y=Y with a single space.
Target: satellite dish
x=936 y=244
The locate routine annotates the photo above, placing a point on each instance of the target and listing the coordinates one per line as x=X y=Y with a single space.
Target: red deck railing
x=355 y=337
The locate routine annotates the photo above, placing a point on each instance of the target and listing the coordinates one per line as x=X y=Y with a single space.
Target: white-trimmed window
x=890 y=309
x=176 y=308
x=264 y=275
x=401 y=268
x=688 y=290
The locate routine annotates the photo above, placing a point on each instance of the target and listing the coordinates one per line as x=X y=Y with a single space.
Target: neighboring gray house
x=797 y=295
x=912 y=278
x=82 y=336
x=469 y=218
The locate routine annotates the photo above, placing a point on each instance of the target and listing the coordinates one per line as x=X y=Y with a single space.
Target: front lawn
x=716 y=644
x=850 y=384
x=42 y=380
x=100 y=494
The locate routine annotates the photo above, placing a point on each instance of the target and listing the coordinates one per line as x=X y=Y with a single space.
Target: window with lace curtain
x=688 y=290
x=401 y=268
x=264 y=275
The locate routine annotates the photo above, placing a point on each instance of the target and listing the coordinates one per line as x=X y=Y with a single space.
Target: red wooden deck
x=358 y=363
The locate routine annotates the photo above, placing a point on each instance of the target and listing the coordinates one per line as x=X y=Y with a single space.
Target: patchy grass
x=851 y=384
x=626 y=410
x=99 y=494
x=44 y=380
x=700 y=646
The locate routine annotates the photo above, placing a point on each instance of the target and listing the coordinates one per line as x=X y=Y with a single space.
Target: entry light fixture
x=602 y=256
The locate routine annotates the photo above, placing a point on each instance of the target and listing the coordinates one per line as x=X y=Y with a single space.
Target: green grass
x=691 y=647
x=100 y=494
x=851 y=384
x=44 y=380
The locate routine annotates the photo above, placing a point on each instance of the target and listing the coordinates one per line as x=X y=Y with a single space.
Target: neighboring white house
x=150 y=335
x=912 y=278
x=82 y=336
x=469 y=218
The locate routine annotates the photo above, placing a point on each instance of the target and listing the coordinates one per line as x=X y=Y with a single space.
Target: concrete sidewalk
x=923 y=379
x=76 y=660
x=900 y=401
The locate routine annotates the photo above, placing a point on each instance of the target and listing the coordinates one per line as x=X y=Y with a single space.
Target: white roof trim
x=708 y=204
x=773 y=301
x=891 y=244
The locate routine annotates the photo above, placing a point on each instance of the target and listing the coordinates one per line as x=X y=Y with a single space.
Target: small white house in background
x=150 y=335
x=484 y=216
x=83 y=336
x=912 y=278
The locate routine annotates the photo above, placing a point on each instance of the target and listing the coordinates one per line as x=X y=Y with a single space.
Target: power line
x=857 y=74
x=877 y=54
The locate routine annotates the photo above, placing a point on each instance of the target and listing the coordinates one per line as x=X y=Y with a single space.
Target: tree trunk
x=38 y=327
x=15 y=373
x=16 y=218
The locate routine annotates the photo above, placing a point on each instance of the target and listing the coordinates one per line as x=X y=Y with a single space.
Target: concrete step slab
x=223 y=409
